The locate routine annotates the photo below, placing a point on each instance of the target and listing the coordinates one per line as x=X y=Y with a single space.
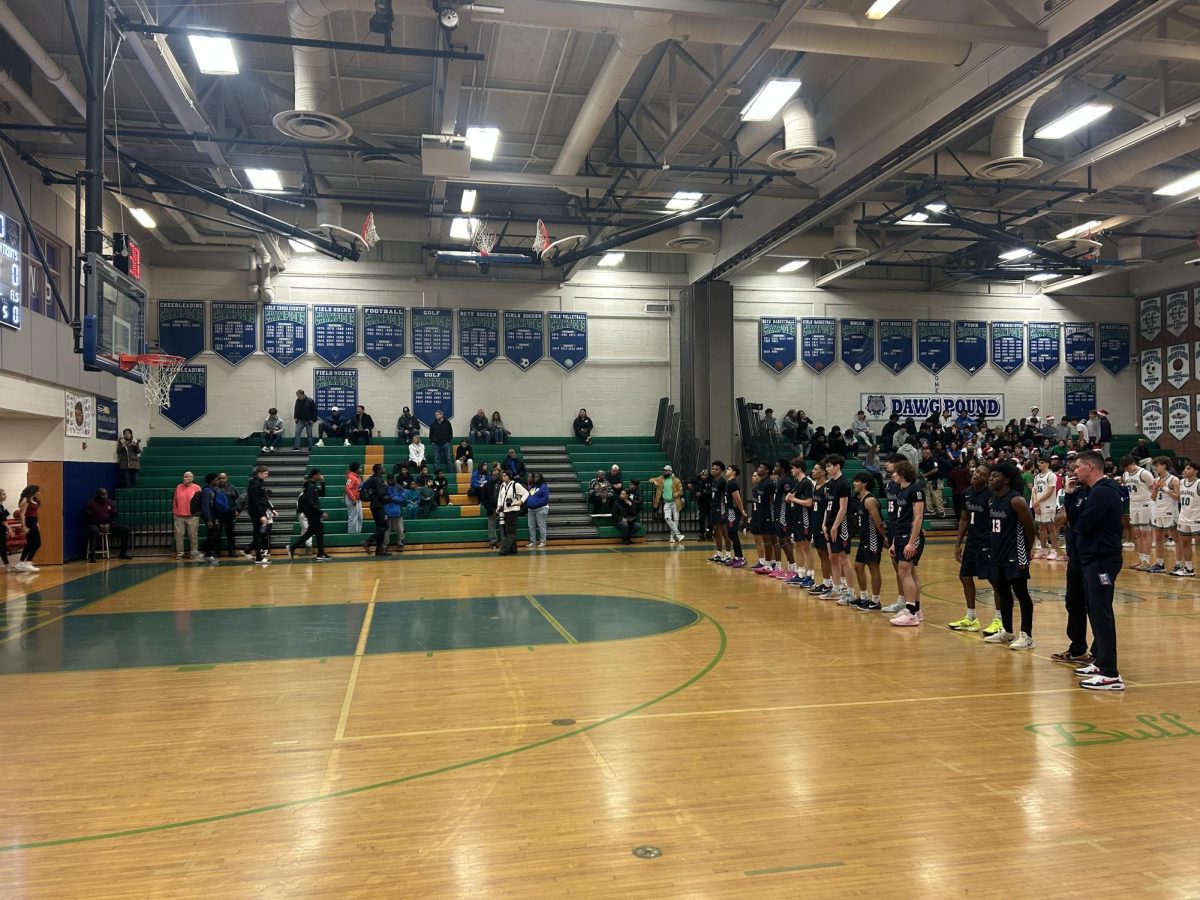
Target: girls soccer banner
x=189 y=396
x=335 y=333
x=1115 y=353
x=1150 y=318
x=858 y=343
x=1152 y=418
x=1179 y=416
x=1179 y=365
x=431 y=335
x=1152 y=369
x=432 y=391
x=285 y=332
x=524 y=337
x=234 y=331
x=896 y=344
x=1080 y=396
x=383 y=334
x=478 y=336
x=335 y=387
x=933 y=344
x=1008 y=346
x=777 y=343
x=818 y=343
x=568 y=338
x=181 y=327
x=1080 y=342
x=1044 y=344
x=1178 y=317
x=970 y=345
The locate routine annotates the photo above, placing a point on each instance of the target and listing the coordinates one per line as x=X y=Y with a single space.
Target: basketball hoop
x=158 y=371
x=541 y=238
x=485 y=239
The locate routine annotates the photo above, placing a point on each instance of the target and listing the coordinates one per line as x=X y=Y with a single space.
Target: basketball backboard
x=114 y=321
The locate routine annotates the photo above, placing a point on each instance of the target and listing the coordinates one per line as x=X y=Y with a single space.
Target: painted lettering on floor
x=1084 y=734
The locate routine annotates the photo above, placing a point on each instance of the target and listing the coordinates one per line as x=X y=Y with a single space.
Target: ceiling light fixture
x=1019 y=253
x=770 y=99
x=1044 y=276
x=881 y=8
x=264 y=179
x=794 y=266
x=610 y=259
x=299 y=246
x=482 y=142
x=214 y=54
x=1180 y=186
x=1072 y=121
x=462 y=229
x=937 y=206
x=468 y=201
x=143 y=218
x=1085 y=228
x=684 y=200
x=914 y=218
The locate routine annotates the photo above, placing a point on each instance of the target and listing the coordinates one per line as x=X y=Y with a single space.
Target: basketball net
x=368 y=233
x=541 y=237
x=485 y=239
x=158 y=372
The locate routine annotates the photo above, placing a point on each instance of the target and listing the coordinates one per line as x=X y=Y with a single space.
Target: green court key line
x=784 y=869
x=392 y=782
x=570 y=638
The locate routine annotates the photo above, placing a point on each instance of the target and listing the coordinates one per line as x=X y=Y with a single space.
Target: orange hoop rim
x=160 y=360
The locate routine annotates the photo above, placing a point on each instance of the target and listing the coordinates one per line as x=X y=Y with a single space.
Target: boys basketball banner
x=777 y=342
x=285 y=332
x=1152 y=418
x=234 y=331
x=181 y=327
x=933 y=344
x=1150 y=318
x=922 y=406
x=432 y=332
x=383 y=334
x=1080 y=396
x=432 y=391
x=818 y=342
x=189 y=396
x=970 y=345
x=1179 y=365
x=1079 y=339
x=1044 y=344
x=1152 y=369
x=1179 y=417
x=524 y=337
x=1115 y=354
x=1008 y=346
x=896 y=344
x=858 y=343
x=478 y=336
x=1178 y=318
x=568 y=338
x=335 y=333
x=335 y=387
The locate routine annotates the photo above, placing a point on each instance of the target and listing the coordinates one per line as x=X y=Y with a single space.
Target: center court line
x=570 y=638
x=359 y=649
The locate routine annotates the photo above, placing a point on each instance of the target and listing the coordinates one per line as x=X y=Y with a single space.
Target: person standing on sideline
x=1011 y=538
x=1138 y=483
x=509 y=498
x=393 y=508
x=441 y=435
x=352 y=494
x=583 y=426
x=971 y=549
x=1164 y=510
x=1045 y=509
x=310 y=508
x=930 y=467
x=129 y=458
x=1077 y=653
x=272 y=431
x=1106 y=434
x=262 y=513
x=870 y=530
x=304 y=415
x=28 y=506
x=186 y=512
x=361 y=426
x=1189 y=521
x=906 y=516
x=373 y=492
x=208 y=515
x=480 y=432
x=668 y=490
x=539 y=510
x=1096 y=521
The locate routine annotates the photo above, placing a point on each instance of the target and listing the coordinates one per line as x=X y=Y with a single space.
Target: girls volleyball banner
x=478 y=336
x=234 y=330
x=922 y=406
x=777 y=342
x=383 y=334
x=335 y=333
x=432 y=333
x=896 y=344
x=285 y=332
x=568 y=338
x=970 y=345
x=933 y=344
x=181 y=327
x=1079 y=339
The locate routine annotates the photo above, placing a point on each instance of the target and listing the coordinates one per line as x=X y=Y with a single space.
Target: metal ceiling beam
x=1158 y=49
x=961 y=31
x=1011 y=13
x=850 y=268
x=381 y=99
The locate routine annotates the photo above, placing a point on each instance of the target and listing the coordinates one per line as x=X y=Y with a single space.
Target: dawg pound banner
x=922 y=406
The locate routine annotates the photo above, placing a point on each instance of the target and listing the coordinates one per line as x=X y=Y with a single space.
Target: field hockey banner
x=285 y=332
x=181 y=327
x=1045 y=346
x=1008 y=346
x=1177 y=313
x=1080 y=396
x=1152 y=368
x=335 y=387
x=1179 y=364
x=933 y=344
x=1079 y=339
x=922 y=406
x=1179 y=416
x=189 y=396
x=777 y=342
x=234 y=331
x=1152 y=418
x=524 y=337
x=432 y=333
x=335 y=333
x=970 y=345
x=1115 y=353
x=818 y=343
x=858 y=344
x=432 y=391
x=478 y=336
x=1150 y=318
x=896 y=344
x=568 y=338
x=383 y=334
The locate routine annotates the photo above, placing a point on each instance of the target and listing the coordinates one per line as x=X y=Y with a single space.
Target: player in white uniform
x=1045 y=506
x=1164 y=510
x=1138 y=482
x=1189 y=522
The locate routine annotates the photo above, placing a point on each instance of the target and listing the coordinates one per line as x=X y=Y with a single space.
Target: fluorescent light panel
x=462 y=229
x=937 y=206
x=792 y=266
x=483 y=142
x=684 y=200
x=1085 y=228
x=1019 y=253
x=914 y=218
x=143 y=218
x=881 y=8
x=264 y=179
x=301 y=246
x=468 y=201
x=612 y=258
x=1180 y=186
x=214 y=54
x=1072 y=121
x=766 y=104
x=1044 y=276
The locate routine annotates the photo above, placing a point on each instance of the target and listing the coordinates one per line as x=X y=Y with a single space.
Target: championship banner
x=1179 y=365
x=383 y=334
x=858 y=343
x=1079 y=339
x=1080 y=396
x=1008 y=346
x=970 y=345
x=1044 y=344
x=234 y=331
x=524 y=337
x=1115 y=353
x=568 y=338
x=181 y=327
x=478 y=336
x=432 y=333
x=922 y=406
x=285 y=332
x=1179 y=416
x=933 y=344
x=432 y=391
x=1196 y=307
x=1178 y=315
x=1152 y=368
x=189 y=396
x=818 y=343
x=1150 y=318
x=335 y=387
x=896 y=344
x=106 y=419
x=777 y=342
x=1152 y=418
x=335 y=333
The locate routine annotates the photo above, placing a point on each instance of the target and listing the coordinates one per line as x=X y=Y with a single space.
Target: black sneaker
x=324 y=558
x=868 y=605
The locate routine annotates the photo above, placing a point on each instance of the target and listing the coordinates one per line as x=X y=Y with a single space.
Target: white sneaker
x=531 y=544
x=893 y=608
x=345 y=443
x=1000 y=637
x=541 y=545
x=1128 y=545
x=30 y=567
x=262 y=449
x=1023 y=642
x=321 y=443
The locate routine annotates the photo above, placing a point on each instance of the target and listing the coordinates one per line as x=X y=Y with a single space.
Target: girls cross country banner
x=383 y=334
x=922 y=406
x=335 y=333
x=568 y=337
x=1080 y=342
x=285 y=332
x=896 y=344
x=181 y=327
x=478 y=336
x=432 y=391
x=933 y=344
x=432 y=333
x=777 y=343
x=189 y=396
x=234 y=331
x=335 y=387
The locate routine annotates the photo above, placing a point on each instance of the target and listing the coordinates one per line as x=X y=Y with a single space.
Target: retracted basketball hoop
x=158 y=371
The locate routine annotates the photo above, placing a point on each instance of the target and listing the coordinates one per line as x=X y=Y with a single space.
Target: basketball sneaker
x=1000 y=637
x=898 y=606
x=1071 y=659
x=1087 y=671
x=994 y=627
x=1102 y=683
x=966 y=623
x=737 y=563
x=1023 y=642
x=907 y=619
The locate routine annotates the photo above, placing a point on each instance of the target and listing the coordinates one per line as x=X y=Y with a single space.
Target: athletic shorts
x=1045 y=517
x=900 y=541
x=799 y=532
x=715 y=518
x=1164 y=523
x=1139 y=514
x=974 y=564
x=760 y=525
x=1189 y=527
x=780 y=529
x=818 y=539
x=1008 y=573
x=866 y=555
x=839 y=544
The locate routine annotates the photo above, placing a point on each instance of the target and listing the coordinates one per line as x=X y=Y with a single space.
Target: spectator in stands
x=583 y=426
x=600 y=494
x=837 y=443
x=872 y=467
x=538 y=505
x=407 y=425
x=334 y=427
x=272 y=431
x=441 y=488
x=100 y=514
x=186 y=515
x=1049 y=430
x=479 y=479
x=352 y=495
x=509 y=499
x=769 y=426
x=959 y=477
x=304 y=415
x=887 y=436
x=513 y=464
x=441 y=435
x=28 y=507
x=373 y=492
x=862 y=427
x=486 y=488
x=804 y=432
x=481 y=432
x=500 y=432
x=464 y=456
x=361 y=426
x=625 y=516
x=416 y=452
x=909 y=451
x=6 y=533
x=818 y=445
x=428 y=498
x=310 y=510
x=129 y=458
x=615 y=479
x=393 y=508
x=787 y=429
x=668 y=490
x=1093 y=428
x=262 y=514
x=412 y=500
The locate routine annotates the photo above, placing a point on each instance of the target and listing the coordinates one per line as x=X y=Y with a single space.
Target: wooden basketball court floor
x=461 y=725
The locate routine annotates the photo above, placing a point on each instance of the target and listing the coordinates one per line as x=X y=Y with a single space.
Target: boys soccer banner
x=1179 y=365
x=777 y=343
x=858 y=343
x=383 y=334
x=933 y=344
x=568 y=338
x=1152 y=418
x=896 y=344
x=234 y=331
x=1115 y=353
x=285 y=332
x=1008 y=346
x=922 y=406
x=335 y=387
x=1080 y=396
x=478 y=336
x=1179 y=416
x=1150 y=318
x=1177 y=313
x=1080 y=341
x=524 y=337
x=818 y=340
x=1151 y=363
x=335 y=333
x=181 y=327
x=970 y=345
x=432 y=391
x=432 y=332
x=1044 y=346
x=189 y=396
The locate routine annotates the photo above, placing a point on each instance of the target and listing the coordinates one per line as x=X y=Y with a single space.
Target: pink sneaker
x=1052 y=556
x=1039 y=554
x=781 y=573
x=908 y=619
x=761 y=570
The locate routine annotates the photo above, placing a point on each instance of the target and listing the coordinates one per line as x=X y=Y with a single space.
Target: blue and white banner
x=432 y=391
x=1080 y=396
x=1152 y=418
x=858 y=343
x=896 y=344
x=432 y=334
x=106 y=419
x=524 y=337
x=1196 y=311
x=777 y=342
x=933 y=344
x=922 y=406
x=181 y=327
x=1177 y=315
x=1150 y=318
x=189 y=396
x=1179 y=416
x=1008 y=346
x=335 y=332
x=234 y=330
x=1151 y=363
x=1179 y=364
x=285 y=332
x=568 y=338
x=478 y=336
x=1044 y=346
x=1079 y=339
x=335 y=387
x=383 y=334
x=970 y=345
x=818 y=342
x=1114 y=346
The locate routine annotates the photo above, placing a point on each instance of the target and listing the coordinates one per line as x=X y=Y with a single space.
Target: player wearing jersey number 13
x=1011 y=538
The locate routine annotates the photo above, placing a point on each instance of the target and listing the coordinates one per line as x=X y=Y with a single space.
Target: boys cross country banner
x=858 y=343
x=285 y=332
x=1115 y=353
x=478 y=336
x=777 y=342
x=234 y=330
x=1080 y=396
x=335 y=387
x=1179 y=364
x=922 y=406
x=1152 y=418
x=970 y=345
x=383 y=334
x=933 y=344
x=524 y=337
x=568 y=338
x=189 y=396
x=1179 y=416
x=181 y=327
x=432 y=391
x=1044 y=344
x=1008 y=346
x=432 y=333
x=896 y=344
x=818 y=342
x=1150 y=318
x=335 y=333
x=1178 y=318
x=1079 y=339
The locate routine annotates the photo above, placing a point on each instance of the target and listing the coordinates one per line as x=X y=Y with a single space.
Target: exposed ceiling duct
x=309 y=20
x=1129 y=251
x=1008 y=141
x=1164 y=148
x=53 y=71
x=845 y=241
x=688 y=237
x=800 y=148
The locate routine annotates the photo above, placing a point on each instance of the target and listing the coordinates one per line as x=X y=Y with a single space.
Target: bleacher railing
x=147 y=514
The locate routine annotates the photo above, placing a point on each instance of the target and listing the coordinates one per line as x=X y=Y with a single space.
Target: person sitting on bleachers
x=480 y=430
x=428 y=500
x=600 y=493
x=583 y=426
x=100 y=514
x=500 y=432
x=464 y=456
x=423 y=477
x=361 y=426
x=334 y=428
x=411 y=499
x=479 y=479
x=407 y=425
x=625 y=516
x=416 y=451
x=441 y=488
x=513 y=464
x=272 y=431
x=615 y=479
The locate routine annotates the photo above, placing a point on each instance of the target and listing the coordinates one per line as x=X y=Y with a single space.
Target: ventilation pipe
x=1129 y=251
x=53 y=71
x=800 y=148
x=1008 y=141
x=1120 y=169
x=845 y=241
x=329 y=212
x=309 y=20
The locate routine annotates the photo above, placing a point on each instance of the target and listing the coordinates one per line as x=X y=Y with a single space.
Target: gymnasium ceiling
x=906 y=111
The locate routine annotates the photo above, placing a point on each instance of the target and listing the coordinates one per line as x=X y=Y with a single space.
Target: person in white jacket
x=416 y=451
x=509 y=499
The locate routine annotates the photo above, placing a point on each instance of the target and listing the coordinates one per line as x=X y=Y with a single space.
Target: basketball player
x=800 y=506
x=779 y=520
x=762 y=490
x=1189 y=522
x=971 y=548
x=1137 y=482
x=717 y=498
x=890 y=487
x=1045 y=505
x=1164 y=510
x=735 y=515
x=1011 y=537
x=870 y=530
x=837 y=528
x=906 y=515
x=820 y=545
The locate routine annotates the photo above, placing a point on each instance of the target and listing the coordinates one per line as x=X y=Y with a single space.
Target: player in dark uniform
x=735 y=515
x=890 y=489
x=972 y=547
x=779 y=520
x=820 y=504
x=717 y=499
x=762 y=492
x=837 y=528
x=800 y=505
x=870 y=530
x=906 y=515
x=1011 y=537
